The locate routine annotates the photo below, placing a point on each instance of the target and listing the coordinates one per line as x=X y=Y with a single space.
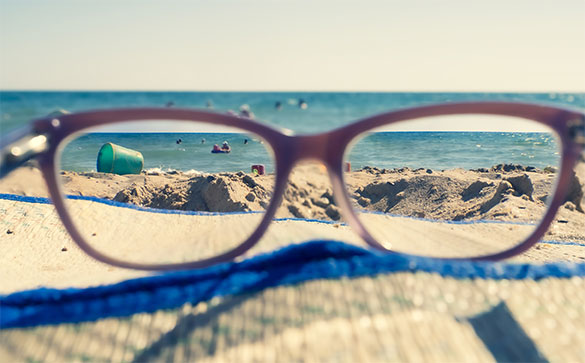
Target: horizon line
x=289 y=91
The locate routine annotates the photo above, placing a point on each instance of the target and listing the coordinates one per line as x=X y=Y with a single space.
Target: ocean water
x=161 y=152
x=450 y=150
x=433 y=148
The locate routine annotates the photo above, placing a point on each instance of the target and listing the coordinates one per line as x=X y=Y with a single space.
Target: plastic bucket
x=117 y=159
x=258 y=169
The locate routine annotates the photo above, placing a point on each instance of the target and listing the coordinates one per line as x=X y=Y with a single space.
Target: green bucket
x=117 y=159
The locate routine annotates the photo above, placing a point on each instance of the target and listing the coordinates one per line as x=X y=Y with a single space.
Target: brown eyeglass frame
x=42 y=138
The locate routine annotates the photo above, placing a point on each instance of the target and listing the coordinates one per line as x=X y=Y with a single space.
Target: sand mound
x=212 y=193
x=231 y=192
x=503 y=192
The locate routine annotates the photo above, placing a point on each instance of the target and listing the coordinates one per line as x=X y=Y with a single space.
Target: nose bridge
x=312 y=147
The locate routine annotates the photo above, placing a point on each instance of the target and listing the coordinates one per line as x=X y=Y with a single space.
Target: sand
x=38 y=251
x=447 y=195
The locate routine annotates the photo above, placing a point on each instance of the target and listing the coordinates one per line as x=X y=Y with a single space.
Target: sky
x=300 y=45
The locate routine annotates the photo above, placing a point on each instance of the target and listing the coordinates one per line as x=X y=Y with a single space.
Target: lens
x=158 y=192
x=453 y=186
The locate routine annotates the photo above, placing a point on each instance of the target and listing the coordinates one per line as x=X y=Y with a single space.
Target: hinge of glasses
x=17 y=153
x=23 y=145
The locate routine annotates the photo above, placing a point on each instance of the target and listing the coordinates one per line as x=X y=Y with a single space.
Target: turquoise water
x=325 y=111
x=449 y=150
x=435 y=150
x=160 y=151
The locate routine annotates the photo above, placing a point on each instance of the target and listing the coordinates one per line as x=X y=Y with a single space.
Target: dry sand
x=447 y=195
x=38 y=251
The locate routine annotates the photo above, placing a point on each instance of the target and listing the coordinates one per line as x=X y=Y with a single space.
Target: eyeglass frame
x=42 y=138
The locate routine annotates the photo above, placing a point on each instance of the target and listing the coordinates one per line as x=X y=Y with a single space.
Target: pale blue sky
x=415 y=45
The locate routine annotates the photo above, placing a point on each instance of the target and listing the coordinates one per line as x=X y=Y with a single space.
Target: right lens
x=165 y=191
x=453 y=186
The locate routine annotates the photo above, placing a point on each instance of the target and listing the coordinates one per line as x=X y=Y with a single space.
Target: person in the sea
x=225 y=146
x=278 y=105
x=245 y=112
x=302 y=104
x=245 y=141
x=179 y=141
x=209 y=104
x=203 y=141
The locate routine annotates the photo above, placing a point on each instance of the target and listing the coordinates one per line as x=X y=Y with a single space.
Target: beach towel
x=317 y=300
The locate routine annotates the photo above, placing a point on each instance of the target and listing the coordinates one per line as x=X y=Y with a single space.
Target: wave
x=162 y=171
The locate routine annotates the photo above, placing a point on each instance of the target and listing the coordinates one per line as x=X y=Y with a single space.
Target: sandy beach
x=40 y=252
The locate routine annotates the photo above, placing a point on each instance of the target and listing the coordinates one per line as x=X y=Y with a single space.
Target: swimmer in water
x=179 y=141
x=245 y=112
x=278 y=105
x=245 y=141
x=302 y=104
x=203 y=141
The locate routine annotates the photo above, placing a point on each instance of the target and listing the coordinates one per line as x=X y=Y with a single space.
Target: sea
x=301 y=112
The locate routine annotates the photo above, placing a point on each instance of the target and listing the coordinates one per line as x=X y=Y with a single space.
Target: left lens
x=163 y=192
x=453 y=186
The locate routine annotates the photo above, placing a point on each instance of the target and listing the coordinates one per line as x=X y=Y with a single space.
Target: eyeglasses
x=179 y=188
